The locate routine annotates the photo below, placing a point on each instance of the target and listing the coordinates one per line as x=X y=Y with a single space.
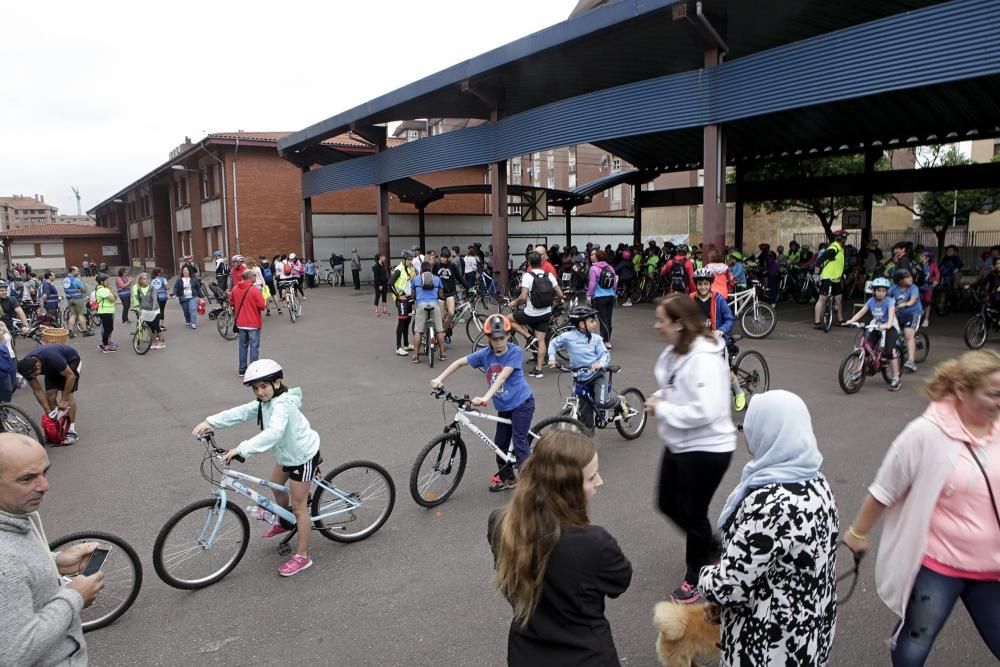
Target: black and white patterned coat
x=776 y=579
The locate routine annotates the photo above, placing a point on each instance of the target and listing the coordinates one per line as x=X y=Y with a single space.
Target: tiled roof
x=33 y=231
x=348 y=139
x=24 y=202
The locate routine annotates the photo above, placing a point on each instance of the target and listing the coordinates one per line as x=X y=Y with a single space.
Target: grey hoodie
x=39 y=616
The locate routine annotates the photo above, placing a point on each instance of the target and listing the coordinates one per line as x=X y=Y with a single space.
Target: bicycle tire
x=142 y=339
x=438 y=448
x=20 y=423
x=635 y=295
x=567 y=423
x=976 y=332
x=765 y=315
x=292 y=307
x=753 y=385
x=95 y=617
x=487 y=304
x=923 y=347
x=940 y=303
x=224 y=324
x=328 y=528
x=630 y=431
x=474 y=325
x=329 y=279
x=562 y=355
x=161 y=565
x=849 y=383
x=430 y=345
x=826 y=319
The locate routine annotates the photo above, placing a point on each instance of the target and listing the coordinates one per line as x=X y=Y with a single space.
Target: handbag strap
x=243 y=300
x=989 y=487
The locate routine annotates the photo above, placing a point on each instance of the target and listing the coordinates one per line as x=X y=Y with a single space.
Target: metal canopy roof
x=619 y=43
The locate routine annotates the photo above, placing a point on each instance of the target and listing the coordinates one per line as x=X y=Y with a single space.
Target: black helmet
x=581 y=313
x=900 y=275
x=101 y=277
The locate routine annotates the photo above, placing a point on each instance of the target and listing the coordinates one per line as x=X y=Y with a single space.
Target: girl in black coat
x=381 y=283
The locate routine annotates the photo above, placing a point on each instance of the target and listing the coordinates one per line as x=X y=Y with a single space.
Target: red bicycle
x=864 y=361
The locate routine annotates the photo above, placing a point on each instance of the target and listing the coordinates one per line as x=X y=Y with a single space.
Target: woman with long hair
x=123 y=285
x=696 y=426
x=938 y=487
x=552 y=565
x=381 y=280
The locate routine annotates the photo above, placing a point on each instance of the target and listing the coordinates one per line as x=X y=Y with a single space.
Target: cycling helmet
x=881 y=281
x=736 y=254
x=703 y=274
x=496 y=326
x=840 y=234
x=263 y=370
x=406 y=254
x=627 y=255
x=101 y=277
x=3 y=284
x=581 y=313
x=291 y=255
x=900 y=275
x=793 y=244
x=217 y=253
x=681 y=249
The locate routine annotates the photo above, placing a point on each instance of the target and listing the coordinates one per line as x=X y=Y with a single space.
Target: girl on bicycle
x=503 y=363
x=586 y=350
x=293 y=443
x=883 y=311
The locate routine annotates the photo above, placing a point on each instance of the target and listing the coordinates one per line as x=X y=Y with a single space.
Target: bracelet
x=855 y=535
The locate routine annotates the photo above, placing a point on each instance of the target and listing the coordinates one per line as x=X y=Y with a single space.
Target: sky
x=96 y=94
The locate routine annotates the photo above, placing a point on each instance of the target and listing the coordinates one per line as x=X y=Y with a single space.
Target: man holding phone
x=39 y=615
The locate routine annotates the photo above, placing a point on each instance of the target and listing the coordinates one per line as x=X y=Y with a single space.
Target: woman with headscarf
x=776 y=579
x=938 y=488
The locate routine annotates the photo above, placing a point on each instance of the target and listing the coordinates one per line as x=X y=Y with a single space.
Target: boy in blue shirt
x=909 y=310
x=883 y=311
x=586 y=348
x=428 y=290
x=503 y=363
x=738 y=270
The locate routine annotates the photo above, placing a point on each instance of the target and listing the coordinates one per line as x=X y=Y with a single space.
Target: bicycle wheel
x=293 y=307
x=752 y=373
x=182 y=556
x=923 y=347
x=487 y=304
x=758 y=320
x=15 y=420
x=361 y=482
x=562 y=355
x=122 y=578
x=224 y=323
x=142 y=339
x=635 y=295
x=826 y=320
x=633 y=420
x=430 y=345
x=976 y=332
x=438 y=470
x=853 y=372
x=803 y=294
x=474 y=326
x=555 y=423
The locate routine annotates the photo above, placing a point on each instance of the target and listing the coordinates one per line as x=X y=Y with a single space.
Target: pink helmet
x=627 y=255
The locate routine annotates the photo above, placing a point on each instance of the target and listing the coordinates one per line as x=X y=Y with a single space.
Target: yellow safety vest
x=834 y=269
x=406 y=274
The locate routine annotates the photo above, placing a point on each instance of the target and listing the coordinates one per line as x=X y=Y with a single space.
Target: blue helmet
x=881 y=281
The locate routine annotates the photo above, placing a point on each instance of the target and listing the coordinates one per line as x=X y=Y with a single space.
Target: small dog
x=685 y=634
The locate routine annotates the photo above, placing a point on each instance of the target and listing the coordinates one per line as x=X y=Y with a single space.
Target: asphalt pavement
x=419 y=592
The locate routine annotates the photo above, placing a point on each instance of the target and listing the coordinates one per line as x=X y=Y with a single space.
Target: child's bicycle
x=629 y=417
x=864 y=361
x=441 y=463
x=202 y=543
x=750 y=368
x=292 y=302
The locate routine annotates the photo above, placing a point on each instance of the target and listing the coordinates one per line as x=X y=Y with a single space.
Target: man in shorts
x=450 y=277
x=427 y=291
x=59 y=366
x=73 y=289
x=535 y=316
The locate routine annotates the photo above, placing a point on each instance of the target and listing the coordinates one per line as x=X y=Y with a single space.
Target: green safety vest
x=834 y=269
x=794 y=258
x=405 y=275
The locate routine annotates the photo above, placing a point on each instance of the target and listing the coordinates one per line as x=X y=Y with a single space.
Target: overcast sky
x=96 y=94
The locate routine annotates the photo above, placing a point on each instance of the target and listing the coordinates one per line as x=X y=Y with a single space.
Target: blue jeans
x=520 y=418
x=930 y=604
x=190 y=308
x=249 y=338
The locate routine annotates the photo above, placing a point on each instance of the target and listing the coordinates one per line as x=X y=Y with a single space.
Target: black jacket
x=196 y=289
x=381 y=277
x=568 y=626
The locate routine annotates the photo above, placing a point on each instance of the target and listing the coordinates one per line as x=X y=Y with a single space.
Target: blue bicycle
x=202 y=543
x=629 y=416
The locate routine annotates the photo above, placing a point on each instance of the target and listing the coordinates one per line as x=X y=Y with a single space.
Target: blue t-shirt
x=426 y=295
x=880 y=311
x=515 y=390
x=159 y=283
x=900 y=295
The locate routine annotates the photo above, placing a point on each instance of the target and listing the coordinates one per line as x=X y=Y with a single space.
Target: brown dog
x=685 y=634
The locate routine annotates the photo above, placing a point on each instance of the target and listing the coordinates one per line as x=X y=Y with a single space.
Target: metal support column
x=382 y=207
x=569 y=226
x=498 y=204
x=307 y=225
x=872 y=156
x=421 y=232
x=714 y=162
x=637 y=215
x=738 y=232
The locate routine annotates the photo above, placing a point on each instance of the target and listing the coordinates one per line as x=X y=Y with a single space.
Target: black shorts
x=910 y=320
x=533 y=322
x=306 y=471
x=836 y=289
x=57 y=381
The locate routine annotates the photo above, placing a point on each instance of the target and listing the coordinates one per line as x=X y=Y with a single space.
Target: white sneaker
x=401 y=351
x=408 y=348
x=627 y=304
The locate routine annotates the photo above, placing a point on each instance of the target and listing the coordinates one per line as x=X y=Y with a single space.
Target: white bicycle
x=756 y=317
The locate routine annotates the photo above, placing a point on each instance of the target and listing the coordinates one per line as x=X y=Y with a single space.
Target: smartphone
x=96 y=561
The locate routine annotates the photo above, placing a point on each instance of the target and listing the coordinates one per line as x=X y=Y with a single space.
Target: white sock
x=72 y=427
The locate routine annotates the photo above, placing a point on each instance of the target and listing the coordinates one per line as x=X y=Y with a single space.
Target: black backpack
x=678 y=274
x=542 y=294
x=606 y=279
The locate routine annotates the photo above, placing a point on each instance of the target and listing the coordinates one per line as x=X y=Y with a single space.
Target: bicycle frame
x=462 y=419
x=740 y=301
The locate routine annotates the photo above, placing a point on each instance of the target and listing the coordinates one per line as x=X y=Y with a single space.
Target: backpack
x=606 y=279
x=542 y=293
x=427 y=280
x=678 y=275
x=266 y=272
x=55 y=426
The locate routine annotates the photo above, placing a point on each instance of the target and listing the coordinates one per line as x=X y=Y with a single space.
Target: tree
x=940 y=211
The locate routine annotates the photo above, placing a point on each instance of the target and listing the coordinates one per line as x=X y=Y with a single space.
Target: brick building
x=18 y=210
x=56 y=247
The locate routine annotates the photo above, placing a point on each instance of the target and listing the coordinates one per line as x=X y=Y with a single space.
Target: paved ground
x=418 y=592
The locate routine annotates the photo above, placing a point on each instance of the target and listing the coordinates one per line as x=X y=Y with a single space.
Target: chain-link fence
x=971 y=244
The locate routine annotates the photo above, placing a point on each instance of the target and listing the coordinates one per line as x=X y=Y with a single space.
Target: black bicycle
x=979 y=328
x=15 y=420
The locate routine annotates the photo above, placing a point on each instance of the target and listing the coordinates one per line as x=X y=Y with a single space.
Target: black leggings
x=382 y=290
x=126 y=302
x=403 y=323
x=107 y=326
x=687 y=483
x=605 y=307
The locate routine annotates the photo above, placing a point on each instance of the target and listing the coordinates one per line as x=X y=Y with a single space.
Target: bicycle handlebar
x=208 y=437
x=463 y=402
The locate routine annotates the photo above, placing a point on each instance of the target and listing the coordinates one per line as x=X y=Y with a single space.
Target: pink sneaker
x=274 y=530
x=295 y=565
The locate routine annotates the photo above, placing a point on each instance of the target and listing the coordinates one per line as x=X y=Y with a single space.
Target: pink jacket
x=908 y=483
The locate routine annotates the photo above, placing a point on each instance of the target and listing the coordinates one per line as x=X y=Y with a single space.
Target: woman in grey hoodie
x=692 y=408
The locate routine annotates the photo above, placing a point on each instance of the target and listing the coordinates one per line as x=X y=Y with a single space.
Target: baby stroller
x=219 y=296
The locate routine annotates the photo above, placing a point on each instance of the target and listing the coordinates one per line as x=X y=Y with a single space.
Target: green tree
x=940 y=211
x=826 y=209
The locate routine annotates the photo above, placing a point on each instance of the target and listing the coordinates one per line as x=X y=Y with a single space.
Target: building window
x=412 y=135
x=996 y=147
x=571 y=159
x=572 y=180
x=550 y=163
x=181 y=192
x=616 y=197
x=208 y=182
x=551 y=181
x=616 y=166
x=515 y=167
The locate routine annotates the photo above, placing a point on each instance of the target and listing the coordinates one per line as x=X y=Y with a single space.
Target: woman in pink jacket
x=938 y=487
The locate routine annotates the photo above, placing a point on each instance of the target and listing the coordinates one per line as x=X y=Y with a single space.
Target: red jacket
x=688 y=269
x=247 y=314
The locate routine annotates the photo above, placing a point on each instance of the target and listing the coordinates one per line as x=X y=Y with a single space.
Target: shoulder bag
x=236 y=315
x=989 y=487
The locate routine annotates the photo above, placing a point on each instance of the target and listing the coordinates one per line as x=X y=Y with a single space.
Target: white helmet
x=263 y=370
x=291 y=255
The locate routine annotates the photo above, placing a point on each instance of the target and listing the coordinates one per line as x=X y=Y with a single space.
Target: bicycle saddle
x=613 y=369
x=429 y=306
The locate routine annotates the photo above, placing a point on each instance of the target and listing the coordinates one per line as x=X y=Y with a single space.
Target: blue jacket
x=582 y=352
x=723 y=317
x=286 y=431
